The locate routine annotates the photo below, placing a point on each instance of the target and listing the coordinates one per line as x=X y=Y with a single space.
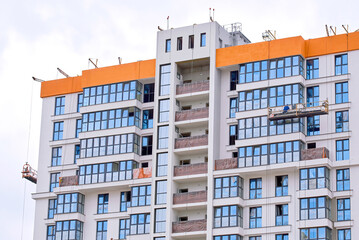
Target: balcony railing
x=142 y=173
x=195 y=141
x=191 y=169
x=192 y=87
x=189 y=226
x=314 y=153
x=192 y=114
x=69 y=181
x=190 y=197
x=228 y=163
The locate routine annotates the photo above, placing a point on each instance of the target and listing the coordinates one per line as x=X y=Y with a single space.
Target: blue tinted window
x=168 y=45
x=59 y=105
x=342 y=150
x=58 y=131
x=203 y=40
x=341 y=92
x=341 y=64
x=343 y=179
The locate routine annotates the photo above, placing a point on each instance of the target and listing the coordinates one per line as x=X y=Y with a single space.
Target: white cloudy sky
x=38 y=36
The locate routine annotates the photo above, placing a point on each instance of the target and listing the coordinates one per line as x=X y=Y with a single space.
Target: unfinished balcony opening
x=190 y=192
x=196 y=136
x=191 y=165
x=193 y=76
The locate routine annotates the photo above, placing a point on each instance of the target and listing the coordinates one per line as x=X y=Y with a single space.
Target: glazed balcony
x=228 y=163
x=69 y=181
x=190 y=197
x=192 y=87
x=314 y=153
x=191 y=169
x=192 y=114
x=189 y=226
x=188 y=142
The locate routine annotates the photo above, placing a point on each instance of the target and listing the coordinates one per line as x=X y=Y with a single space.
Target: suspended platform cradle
x=29 y=173
x=298 y=110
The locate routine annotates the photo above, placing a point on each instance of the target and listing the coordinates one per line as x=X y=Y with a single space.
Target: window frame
x=341 y=92
x=59 y=106
x=101 y=230
x=163 y=110
x=148 y=92
x=255 y=191
x=102 y=203
x=342 y=149
x=341 y=64
x=161 y=192
x=141 y=196
x=162 y=142
x=168 y=45
x=228 y=216
x=255 y=217
x=160 y=220
x=344 y=212
x=159 y=171
x=51 y=232
x=147 y=119
x=313 y=125
x=342 y=121
x=56 y=156
x=311 y=208
x=179 y=43
x=233 y=109
x=281 y=190
x=124 y=228
x=343 y=234
x=203 y=40
x=54 y=181
x=58 y=131
x=234 y=188
x=312 y=68
x=52 y=207
x=190 y=41
x=165 y=79
x=146 y=147
x=136 y=222
x=233 y=130
x=70 y=203
x=343 y=179
x=305 y=177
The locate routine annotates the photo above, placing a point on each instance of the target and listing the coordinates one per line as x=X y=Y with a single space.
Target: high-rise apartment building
x=217 y=138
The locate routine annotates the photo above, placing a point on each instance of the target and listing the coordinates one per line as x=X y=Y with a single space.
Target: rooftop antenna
x=327 y=30
x=346 y=28
x=213 y=14
x=168 y=22
x=268 y=35
x=210 y=17
x=95 y=64
x=333 y=30
x=120 y=59
x=63 y=73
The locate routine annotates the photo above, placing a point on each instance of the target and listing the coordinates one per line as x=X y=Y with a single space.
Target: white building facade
x=217 y=138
